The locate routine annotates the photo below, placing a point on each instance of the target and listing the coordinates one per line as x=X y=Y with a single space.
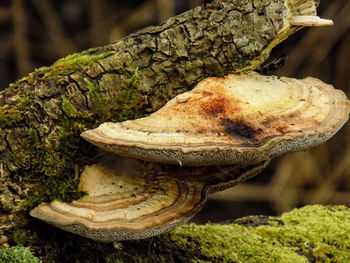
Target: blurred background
x=35 y=33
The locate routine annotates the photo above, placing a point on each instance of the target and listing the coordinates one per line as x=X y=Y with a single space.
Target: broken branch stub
x=304 y=14
x=240 y=118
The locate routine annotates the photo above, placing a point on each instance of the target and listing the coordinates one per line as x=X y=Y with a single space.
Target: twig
x=326 y=45
x=166 y=9
x=194 y=3
x=141 y=15
x=97 y=31
x=5 y=14
x=311 y=41
x=63 y=44
x=19 y=37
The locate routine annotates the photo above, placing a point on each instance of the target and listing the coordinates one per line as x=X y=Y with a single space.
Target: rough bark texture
x=42 y=115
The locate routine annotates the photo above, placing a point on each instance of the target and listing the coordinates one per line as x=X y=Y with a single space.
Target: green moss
x=84 y=58
x=30 y=78
x=64 y=65
x=101 y=106
x=32 y=200
x=9 y=115
x=59 y=168
x=56 y=170
x=17 y=254
x=69 y=109
x=127 y=97
x=316 y=231
x=23 y=102
x=58 y=176
x=23 y=237
x=122 y=257
x=33 y=137
x=119 y=110
x=232 y=243
x=325 y=231
x=73 y=62
x=135 y=79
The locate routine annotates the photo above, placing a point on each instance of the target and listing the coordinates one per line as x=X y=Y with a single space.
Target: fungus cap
x=239 y=118
x=129 y=199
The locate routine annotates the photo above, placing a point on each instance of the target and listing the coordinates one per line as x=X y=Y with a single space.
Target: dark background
x=34 y=33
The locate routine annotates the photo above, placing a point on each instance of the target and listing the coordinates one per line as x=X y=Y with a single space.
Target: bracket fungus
x=241 y=120
x=130 y=199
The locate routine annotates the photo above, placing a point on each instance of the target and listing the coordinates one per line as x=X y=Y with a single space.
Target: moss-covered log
x=43 y=114
x=308 y=234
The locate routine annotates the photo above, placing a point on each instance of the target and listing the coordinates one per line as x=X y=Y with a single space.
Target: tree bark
x=43 y=114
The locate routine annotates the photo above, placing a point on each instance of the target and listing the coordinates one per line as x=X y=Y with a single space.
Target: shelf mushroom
x=241 y=120
x=131 y=199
